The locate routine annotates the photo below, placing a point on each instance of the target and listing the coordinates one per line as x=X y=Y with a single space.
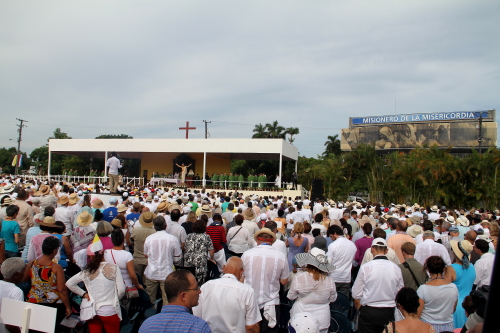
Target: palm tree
x=275 y=131
x=260 y=131
x=292 y=131
x=332 y=145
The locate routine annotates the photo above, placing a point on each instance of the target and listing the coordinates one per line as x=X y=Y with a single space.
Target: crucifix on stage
x=187 y=128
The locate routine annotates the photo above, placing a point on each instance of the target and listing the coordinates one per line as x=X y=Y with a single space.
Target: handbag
x=87 y=309
x=130 y=292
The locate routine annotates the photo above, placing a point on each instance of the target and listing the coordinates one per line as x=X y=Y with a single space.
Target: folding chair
x=339 y=323
x=342 y=304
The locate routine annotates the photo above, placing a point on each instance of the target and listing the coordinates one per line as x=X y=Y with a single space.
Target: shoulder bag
x=405 y=264
x=130 y=292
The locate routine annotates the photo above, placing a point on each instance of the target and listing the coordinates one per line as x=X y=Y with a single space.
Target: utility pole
x=206 y=128
x=480 y=136
x=20 y=131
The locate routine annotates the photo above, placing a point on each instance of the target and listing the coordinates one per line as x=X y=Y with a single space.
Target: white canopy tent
x=235 y=149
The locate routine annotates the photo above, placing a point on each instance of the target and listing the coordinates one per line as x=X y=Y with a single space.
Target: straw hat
x=63 y=200
x=414 y=231
x=450 y=219
x=317 y=258
x=121 y=208
x=7 y=201
x=466 y=245
x=6 y=189
x=463 y=221
x=116 y=223
x=173 y=206
x=265 y=231
x=44 y=190
x=146 y=219
x=73 y=198
x=84 y=219
x=48 y=221
x=205 y=209
x=249 y=214
x=434 y=208
x=162 y=206
x=414 y=219
x=365 y=219
x=97 y=204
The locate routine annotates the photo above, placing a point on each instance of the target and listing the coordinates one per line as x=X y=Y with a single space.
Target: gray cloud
x=144 y=68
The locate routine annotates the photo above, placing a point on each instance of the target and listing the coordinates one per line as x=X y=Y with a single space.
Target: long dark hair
x=95 y=262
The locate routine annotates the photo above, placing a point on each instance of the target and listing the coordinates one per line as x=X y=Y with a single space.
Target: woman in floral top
x=197 y=245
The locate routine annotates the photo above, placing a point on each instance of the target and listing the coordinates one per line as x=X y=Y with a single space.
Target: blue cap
x=453 y=229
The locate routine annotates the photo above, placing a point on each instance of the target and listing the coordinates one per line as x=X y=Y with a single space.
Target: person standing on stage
x=113 y=164
x=294 y=180
x=183 y=172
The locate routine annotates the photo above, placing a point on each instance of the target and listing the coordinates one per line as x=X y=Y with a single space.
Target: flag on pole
x=96 y=245
x=17 y=161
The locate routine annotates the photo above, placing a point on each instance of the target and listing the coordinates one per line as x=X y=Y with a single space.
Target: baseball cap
x=113 y=200
x=379 y=242
x=453 y=228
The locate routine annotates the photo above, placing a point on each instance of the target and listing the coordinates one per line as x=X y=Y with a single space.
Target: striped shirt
x=218 y=236
x=174 y=319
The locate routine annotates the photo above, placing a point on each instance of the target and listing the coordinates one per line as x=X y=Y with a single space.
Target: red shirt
x=218 y=236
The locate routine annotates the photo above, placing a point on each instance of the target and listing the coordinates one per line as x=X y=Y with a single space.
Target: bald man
x=227 y=304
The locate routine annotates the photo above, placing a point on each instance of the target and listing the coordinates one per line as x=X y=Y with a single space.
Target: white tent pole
x=204 y=167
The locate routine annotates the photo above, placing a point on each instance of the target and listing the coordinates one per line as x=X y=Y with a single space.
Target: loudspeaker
x=317 y=189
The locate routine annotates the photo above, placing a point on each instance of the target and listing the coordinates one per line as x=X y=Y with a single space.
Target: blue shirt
x=175 y=319
x=110 y=213
x=9 y=228
x=133 y=216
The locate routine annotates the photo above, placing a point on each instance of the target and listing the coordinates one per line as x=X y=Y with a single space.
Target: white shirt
x=318 y=208
x=280 y=246
x=227 y=305
x=162 y=250
x=64 y=214
x=251 y=226
x=484 y=269
x=272 y=214
x=377 y=283
x=175 y=229
x=430 y=248
x=335 y=213
x=296 y=216
x=341 y=254
x=391 y=255
x=433 y=216
x=10 y=291
x=319 y=226
x=120 y=258
x=420 y=237
x=239 y=239
x=114 y=164
x=439 y=302
x=264 y=268
x=313 y=297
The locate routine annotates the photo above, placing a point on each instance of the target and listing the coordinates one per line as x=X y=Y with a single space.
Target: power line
x=20 y=130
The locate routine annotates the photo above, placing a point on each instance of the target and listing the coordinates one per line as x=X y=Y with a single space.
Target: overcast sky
x=144 y=68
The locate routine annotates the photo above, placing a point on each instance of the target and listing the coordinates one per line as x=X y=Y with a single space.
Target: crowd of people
x=226 y=262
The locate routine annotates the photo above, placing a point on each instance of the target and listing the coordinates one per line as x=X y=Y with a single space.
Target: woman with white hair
x=313 y=289
x=33 y=231
x=13 y=273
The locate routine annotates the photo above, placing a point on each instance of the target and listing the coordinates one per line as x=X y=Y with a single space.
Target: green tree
x=292 y=131
x=332 y=146
x=275 y=131
x=260 y=132
x=114 y=136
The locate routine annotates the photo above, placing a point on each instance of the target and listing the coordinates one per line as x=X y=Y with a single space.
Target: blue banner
x=410 y=118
